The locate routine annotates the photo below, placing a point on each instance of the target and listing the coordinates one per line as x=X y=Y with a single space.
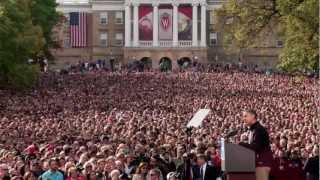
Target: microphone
x=232 y=133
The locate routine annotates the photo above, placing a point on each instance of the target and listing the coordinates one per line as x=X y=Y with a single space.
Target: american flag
x=78 y=29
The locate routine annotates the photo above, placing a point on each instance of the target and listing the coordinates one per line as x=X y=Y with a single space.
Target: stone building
x=152 y=31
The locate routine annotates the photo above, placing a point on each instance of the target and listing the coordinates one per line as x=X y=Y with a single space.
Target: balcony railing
x=165 y=44
x=145 y=44
x=185 y=43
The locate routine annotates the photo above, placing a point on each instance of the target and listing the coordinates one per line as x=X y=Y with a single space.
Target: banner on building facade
x=185 y=23
x=145 y=23
x=165 y=23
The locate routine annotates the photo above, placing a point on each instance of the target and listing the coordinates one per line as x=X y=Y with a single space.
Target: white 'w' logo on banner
x=165 y=21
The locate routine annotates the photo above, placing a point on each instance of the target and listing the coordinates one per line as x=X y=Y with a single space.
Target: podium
x=237 y=162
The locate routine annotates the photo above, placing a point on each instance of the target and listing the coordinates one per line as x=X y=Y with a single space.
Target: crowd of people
x=120 y=125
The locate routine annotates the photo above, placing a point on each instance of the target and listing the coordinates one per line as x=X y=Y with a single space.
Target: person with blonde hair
x=155 y=174
x=67 y=166
x=109 y=164
x=73 y=174
x=29 y=176
x=141 y=172
x=114 y=175
x=88 y=169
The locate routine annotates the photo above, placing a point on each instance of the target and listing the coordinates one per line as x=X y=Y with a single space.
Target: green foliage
x=44 y=14
x=165 y=65
x=301 y=27
x=20 y=40
x=20 y=76
x=244 y=23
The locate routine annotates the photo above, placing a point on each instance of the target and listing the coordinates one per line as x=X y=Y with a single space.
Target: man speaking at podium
x=259 y=142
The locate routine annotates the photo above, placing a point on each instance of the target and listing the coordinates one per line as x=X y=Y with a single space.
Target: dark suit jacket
x=211 y=173
x=260 y=144
x=312 y=168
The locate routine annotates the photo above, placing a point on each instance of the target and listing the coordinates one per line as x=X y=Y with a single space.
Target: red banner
x=145 y=23
x=185 y=23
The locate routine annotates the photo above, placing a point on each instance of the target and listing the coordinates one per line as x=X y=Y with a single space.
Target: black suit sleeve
x=259 y=142
x=312 y=166
x=211 y=173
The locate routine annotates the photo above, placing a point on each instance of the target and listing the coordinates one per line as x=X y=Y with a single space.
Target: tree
x=301 y=28
x=44 y=14
x=19 y=41
x=245 y=22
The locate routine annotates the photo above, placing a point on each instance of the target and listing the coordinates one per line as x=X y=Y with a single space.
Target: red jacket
x=217 y=161
x=78 y=178
x=296 y=170
x=281 y=169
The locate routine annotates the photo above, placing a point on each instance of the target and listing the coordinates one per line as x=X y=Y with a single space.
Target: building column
x=155 y=24
x=135 y=24
x=195 y=24
x=127 y=25
x=203 y=42
x=175 y=23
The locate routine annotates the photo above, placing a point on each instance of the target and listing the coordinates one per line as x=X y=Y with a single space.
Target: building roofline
x=89 y=2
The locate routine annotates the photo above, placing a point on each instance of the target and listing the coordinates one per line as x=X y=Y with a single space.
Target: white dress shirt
x=203 y=168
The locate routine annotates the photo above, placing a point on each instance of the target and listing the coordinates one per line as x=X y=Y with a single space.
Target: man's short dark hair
x=53 y=160
x=252 y=112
